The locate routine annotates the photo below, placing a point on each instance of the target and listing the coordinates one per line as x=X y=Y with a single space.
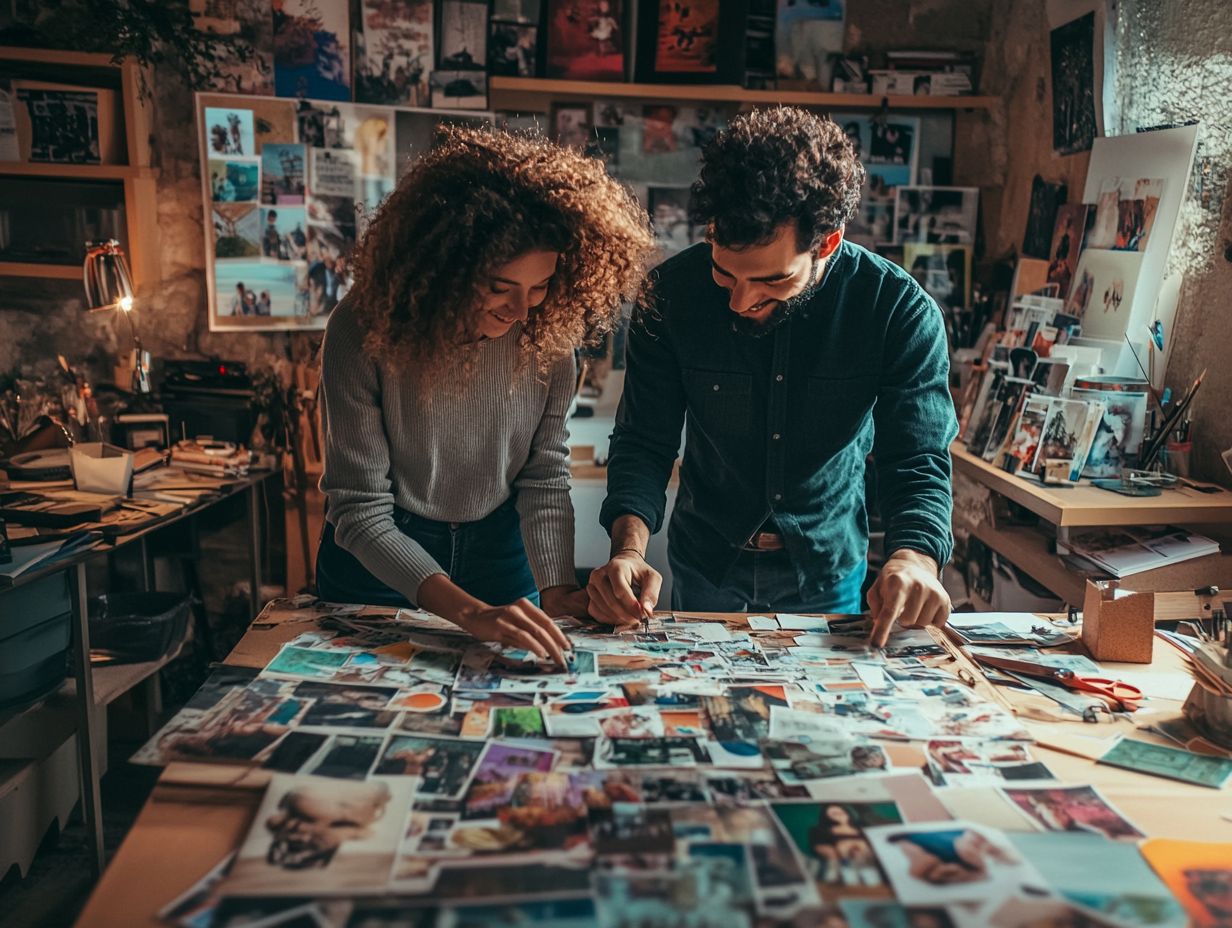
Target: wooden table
x=107 y=683
x=190 y=824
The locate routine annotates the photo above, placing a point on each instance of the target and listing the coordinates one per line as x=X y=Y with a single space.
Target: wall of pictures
x=287 y=185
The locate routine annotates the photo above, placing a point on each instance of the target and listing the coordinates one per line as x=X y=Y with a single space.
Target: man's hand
x=559 y=601
x=907 y=592
x=612 y=589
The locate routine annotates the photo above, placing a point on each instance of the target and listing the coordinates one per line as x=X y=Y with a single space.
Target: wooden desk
x=107 y=683
x=187 y=827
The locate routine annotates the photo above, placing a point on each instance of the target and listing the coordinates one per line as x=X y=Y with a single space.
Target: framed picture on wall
x=586 y=40
x=693 y=42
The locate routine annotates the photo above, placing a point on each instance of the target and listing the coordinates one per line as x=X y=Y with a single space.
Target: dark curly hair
x=477 y=200
x=772 y=166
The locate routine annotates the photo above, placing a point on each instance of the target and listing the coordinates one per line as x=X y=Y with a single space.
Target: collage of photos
x=289 y=185
x=786 y=769
x=889 y=150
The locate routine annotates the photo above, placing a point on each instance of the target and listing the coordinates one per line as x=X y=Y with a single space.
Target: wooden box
x=1118 y=626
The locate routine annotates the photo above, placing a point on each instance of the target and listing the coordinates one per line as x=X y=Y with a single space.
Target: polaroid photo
x=1071 y=808
x=442 y=765
x=321 y=837
x=941 y=863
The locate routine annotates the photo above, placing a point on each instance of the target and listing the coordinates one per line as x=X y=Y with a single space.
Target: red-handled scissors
x=1117 y=693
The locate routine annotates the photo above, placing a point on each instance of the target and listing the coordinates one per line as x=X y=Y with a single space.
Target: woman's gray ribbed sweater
x=453 y=457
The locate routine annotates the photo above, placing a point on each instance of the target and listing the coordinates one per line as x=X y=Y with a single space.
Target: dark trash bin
x=129 y=628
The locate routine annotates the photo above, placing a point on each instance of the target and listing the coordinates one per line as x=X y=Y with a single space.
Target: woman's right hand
x=518 y=625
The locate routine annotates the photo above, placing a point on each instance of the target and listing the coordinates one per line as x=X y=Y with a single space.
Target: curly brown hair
x=773 y=166
x=477 y=200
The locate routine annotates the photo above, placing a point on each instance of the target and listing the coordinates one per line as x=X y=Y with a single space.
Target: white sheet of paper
x=803 y=623
x=762 y=623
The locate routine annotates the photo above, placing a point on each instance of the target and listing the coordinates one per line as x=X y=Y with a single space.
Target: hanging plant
x=149 y=31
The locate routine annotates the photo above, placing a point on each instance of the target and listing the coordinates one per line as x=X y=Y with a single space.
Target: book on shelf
x=1128 y=551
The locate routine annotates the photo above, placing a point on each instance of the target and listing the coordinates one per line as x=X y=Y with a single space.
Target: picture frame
x=701 y=42
x=936 y=215
x=585 y=40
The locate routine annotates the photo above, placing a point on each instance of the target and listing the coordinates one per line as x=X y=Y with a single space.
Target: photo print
x=229 y=132
x=585 y=40
x=570 y=124
x=806 y=34
x=321 y=836
x=830 y=838
x=1068 y=236
x=936 y=215
x=394 y=52
x=237 y=230
x=235 y=181
x=1102 y=294
x=513 y=49
x=242 y=33
x=1046 y=199
x=1071 y=808
x=464 y=90
x=63 y=125
x=442 y=765
x=247 y=288
x=944 y=271
x=284 y=234
x=669 y=214
x=687 y=37
x=283 y=174
x=1125 y=213
x=312 y=55
x=952 y=862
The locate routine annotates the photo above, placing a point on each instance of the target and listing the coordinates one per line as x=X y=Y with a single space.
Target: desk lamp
x=109 y=286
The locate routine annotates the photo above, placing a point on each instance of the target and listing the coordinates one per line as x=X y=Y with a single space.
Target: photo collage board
x=774 y=770
x=287 y=188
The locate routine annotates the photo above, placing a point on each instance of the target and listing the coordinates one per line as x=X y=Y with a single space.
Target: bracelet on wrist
x=629 y=551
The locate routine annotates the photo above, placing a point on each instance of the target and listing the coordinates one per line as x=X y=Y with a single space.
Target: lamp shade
x=105 y=275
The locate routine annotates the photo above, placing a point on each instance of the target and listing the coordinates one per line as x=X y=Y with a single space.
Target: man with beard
x=311 y=823
x=789 y=355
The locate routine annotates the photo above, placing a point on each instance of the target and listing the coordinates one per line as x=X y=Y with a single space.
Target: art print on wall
x=1102 y=292
x=394 y=52
x=312 y=49
x=1068 y=235
x=1074 y=124
x=243 y=43
x=585 y=40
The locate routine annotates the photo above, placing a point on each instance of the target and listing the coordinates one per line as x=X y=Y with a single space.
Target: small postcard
x=1173 y=763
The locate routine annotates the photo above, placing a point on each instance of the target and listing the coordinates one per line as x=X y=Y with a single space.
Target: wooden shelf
x=1085 y=505
x=729 y=93
x=110 y=683
x=1030 y=550
x=31 y=269
x=73 y=171
x=59 y=56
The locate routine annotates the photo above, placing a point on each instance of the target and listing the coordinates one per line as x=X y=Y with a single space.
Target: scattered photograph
x=321 y=836
x=347 y=705
x=1071 y=808
x=348 y=757
x=972 y=762
x=1074 y=124
x=830 y=838
x=312 y=663
x=245 y=288
x=294 y=751
x=517 y=722
x=649 y=752
x=939 y=863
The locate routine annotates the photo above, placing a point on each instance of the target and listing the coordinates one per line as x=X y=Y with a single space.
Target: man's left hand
x=907 y=592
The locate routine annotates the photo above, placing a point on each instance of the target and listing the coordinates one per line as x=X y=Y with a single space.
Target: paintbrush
x=1178 y=411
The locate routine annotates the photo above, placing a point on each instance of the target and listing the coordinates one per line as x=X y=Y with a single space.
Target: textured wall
x=1175 y=62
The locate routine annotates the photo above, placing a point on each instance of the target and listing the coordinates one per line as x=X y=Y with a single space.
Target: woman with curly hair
x=447 y=376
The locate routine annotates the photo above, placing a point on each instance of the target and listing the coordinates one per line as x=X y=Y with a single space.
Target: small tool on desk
x=647 y=615
x=1119 y=695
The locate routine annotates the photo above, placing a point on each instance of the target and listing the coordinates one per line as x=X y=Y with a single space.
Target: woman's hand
x=559 y=601
x=517 y=625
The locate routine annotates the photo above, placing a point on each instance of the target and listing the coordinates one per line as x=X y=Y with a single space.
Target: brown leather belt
x=765 y=541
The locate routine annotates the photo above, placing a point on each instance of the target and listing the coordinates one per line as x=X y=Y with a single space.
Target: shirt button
x=776 y=377
x=775 y=436
x=716 y=388
x=777 y=497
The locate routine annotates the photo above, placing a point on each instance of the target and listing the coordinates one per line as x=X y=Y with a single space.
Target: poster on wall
x=1074 y=124
x=394 y=52
x=585 y=40
x=1068 y=234
x=286 y=214
x=1102 y=292
x=243 y=43
x=312 y=53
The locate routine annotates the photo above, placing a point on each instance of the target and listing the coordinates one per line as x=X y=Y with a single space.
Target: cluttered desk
x=354 y=765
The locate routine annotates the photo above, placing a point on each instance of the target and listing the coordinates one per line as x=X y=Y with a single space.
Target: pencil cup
x=1176 y=458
